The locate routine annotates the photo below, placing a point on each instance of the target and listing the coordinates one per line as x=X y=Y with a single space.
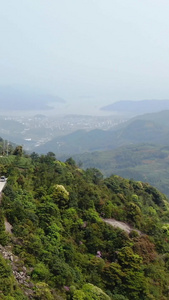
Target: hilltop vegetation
x=59 y=234
x=145 y=162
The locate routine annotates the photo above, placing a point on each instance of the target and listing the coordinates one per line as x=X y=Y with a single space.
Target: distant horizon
x=29 y=100
x=90 y=53
x=51 y=104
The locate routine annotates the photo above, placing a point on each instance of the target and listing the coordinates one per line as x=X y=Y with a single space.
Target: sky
x=88 y=52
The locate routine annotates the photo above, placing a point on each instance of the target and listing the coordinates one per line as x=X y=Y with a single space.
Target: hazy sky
x=89 y=52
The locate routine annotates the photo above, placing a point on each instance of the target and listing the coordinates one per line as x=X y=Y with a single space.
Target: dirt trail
x=127 y=228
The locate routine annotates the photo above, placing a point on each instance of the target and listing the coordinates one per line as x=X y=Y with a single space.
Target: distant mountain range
x=149 y=128
x=139 y=107
x=78 y=142
x=23 y=99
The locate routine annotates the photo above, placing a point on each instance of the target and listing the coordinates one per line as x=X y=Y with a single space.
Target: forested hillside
x=144 y=162
x=61 y=247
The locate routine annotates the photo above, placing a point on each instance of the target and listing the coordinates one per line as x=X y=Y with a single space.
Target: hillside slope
x=145 y=162
x=58 y=213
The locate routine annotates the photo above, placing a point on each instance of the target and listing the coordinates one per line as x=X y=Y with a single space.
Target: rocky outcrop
x=20 y=272
x=8 y=227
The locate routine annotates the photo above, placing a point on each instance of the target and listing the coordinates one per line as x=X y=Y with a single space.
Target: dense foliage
x=58 y=214
x=144 y=162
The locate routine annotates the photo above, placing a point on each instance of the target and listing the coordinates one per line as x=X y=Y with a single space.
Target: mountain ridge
x=151 y=128
x=18 y=99
x=140 y=106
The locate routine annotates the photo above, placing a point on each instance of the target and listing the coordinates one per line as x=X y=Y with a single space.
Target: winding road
x=8 y=226
x=2 y=185
x=127 y=228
